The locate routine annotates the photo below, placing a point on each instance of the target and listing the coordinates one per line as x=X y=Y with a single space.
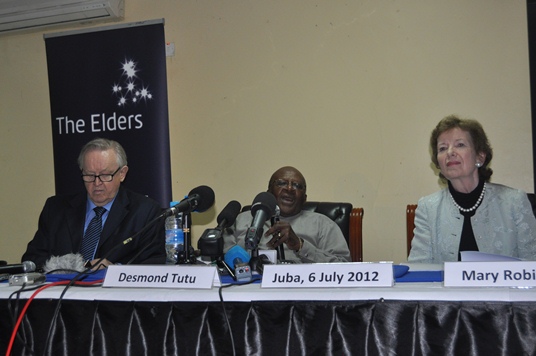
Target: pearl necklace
x=474 y=206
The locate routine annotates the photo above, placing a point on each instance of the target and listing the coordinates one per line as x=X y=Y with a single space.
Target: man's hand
x=102 y=264
x=282 y=233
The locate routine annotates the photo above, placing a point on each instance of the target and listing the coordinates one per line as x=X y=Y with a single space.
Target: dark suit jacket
x=61 y=228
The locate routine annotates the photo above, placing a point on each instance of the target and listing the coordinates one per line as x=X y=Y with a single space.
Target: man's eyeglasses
x=281 y=183
x=90 y=178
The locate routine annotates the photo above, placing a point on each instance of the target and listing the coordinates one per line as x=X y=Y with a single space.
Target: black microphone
x=24 y=267
x=228 y=215
x=276 y=219
x=262 y=209
x=199 y=199
x=211 y=242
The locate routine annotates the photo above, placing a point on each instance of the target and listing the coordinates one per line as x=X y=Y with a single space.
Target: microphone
x=211 y=242
x=239 y=259
x=24 y=267
x=228 y=215
x=276 y=218
x=262 y=209
x=199 y=199
x=69 y=263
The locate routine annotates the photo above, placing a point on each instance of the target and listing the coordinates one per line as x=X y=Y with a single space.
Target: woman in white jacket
x=471 y=214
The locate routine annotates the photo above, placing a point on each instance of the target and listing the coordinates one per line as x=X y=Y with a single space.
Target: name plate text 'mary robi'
x=328 y=275
x=490 y=274
x=161 y=276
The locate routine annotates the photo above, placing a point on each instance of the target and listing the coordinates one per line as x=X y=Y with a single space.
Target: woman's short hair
x=478 y=138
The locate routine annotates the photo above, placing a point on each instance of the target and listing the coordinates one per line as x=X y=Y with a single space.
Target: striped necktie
x=92 y=235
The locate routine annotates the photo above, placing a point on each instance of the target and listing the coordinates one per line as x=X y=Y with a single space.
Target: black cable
x=226 y=317
x=60 y=299
x=222 y=302
x=128 y=240
x=155 y=237
x=63 y=271
x=13 y=313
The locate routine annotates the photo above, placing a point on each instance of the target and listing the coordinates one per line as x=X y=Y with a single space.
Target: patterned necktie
x=92 y=235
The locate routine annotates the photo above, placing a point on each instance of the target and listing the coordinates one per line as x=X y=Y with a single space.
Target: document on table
x=477 y=256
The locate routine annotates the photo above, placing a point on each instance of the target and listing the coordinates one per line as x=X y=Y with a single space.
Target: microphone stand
x=128 y=240
x=186 y=256
x=257 y=262
x=254 y=260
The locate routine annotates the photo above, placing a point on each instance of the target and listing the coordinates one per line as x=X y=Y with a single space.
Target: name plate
x=490 y=274
x=161 y=276
x=328 y=275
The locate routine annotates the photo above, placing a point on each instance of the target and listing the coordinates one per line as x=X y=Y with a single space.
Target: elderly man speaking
x=307 y=236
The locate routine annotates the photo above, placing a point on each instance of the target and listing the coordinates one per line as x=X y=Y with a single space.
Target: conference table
x=410 y=318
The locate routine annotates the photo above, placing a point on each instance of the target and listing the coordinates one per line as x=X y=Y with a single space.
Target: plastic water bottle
x=174 y=236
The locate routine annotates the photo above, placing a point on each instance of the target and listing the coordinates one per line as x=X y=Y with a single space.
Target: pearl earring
x=478 y=164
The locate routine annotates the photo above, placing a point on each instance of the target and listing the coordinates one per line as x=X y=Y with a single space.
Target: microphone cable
x=155 y=237
x=222 y=302
x=14 y=310
x=128 y=240
x=27 y=304
x=74 y=281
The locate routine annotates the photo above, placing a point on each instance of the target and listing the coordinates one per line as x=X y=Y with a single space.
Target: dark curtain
x=276 y=328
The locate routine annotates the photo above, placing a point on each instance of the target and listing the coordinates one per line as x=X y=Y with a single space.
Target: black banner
x=111 y=83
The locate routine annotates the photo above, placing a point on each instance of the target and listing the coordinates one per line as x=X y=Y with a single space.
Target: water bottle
x=174 y=236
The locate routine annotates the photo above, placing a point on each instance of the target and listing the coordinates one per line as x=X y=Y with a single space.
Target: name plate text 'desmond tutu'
x=328 y=275
x=490 y=274
x=160 y=276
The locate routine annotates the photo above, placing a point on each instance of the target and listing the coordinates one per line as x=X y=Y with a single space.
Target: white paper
x=328 y=275
x=477 y=256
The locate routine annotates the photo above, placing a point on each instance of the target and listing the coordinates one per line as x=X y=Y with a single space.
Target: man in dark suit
x=65 y=220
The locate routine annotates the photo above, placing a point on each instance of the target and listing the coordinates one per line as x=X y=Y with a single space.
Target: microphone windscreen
x=65 y=264
x=229 y=213
x=265 y=201
x=236 y=252
x=206 y=197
